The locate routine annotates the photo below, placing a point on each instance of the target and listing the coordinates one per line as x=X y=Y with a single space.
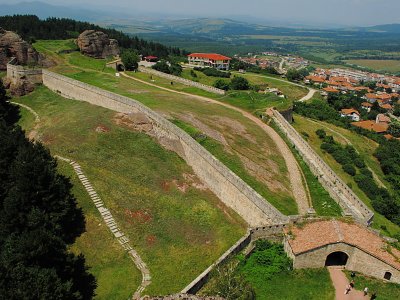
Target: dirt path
x=295 y=176
x=340 y=282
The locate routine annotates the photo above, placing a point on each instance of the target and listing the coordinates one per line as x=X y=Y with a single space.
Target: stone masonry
x=226 y=185
x=184 y=81
x=337 y=189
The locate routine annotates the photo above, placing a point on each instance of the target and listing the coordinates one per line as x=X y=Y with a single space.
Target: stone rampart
x=338 y=190
x=182 y=80
x=226 y=185
x=16 y=73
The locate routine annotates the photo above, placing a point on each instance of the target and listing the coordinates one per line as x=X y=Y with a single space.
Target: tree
x=394 y=128
x=161 y=66
x=230 y=284
x=240 y=83
x=39 y=221
x=221 y=84
x=296 y=75
x=130 y=59
x=9 y=113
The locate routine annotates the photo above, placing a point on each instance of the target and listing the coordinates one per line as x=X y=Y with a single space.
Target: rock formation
x=12 y=45
x=18 y=88
x=97 y=44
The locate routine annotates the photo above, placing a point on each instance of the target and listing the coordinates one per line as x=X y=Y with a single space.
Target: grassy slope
x=250 y=142
x=366 y=148
x=234 y=163
x=298 y=284
x=131 y=172
x=116 y=275
x=322 y=202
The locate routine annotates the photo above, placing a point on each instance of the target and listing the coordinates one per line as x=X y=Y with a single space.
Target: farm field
x=139 y=182
x=254 y=149
x=364 y=146
x=392 y=66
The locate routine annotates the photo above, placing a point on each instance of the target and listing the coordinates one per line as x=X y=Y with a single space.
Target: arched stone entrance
x=120 y=67
x=336 y=259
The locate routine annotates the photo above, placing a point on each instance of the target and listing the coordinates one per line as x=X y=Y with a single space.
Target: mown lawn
x=384 y=290
x=363 y=145
x=178 y=234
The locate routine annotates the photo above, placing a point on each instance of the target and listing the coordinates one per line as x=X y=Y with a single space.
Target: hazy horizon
x=339 y=12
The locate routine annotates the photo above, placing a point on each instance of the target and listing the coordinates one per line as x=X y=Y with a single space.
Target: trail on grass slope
x=104 y=212
x=295 y=175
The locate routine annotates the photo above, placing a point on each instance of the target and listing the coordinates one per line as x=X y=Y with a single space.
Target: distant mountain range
x=45 y=10
x=130 y=23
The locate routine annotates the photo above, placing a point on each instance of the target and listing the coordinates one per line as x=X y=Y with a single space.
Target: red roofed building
x=209 y=60
x=337 y=243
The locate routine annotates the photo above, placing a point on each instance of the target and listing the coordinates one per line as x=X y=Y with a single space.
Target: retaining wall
x=182 y=80
x=226 y=185
x=338 y=190
x=15 y=73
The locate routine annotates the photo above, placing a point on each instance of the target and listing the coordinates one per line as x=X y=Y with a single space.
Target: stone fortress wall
x=358 y=260
x=17 y=73
x=182 y=80
x=226 y=185
x=338 y=190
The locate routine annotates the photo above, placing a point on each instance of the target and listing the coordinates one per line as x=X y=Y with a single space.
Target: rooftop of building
x=213 y=56
x=317 y=234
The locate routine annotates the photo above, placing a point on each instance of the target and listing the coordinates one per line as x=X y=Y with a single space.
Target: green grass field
x=175 y=232
x=239 y=135
x=363 y=145
x=298 y=284
x=392 y=66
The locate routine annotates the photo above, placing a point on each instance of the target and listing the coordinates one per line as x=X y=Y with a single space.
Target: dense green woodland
x=31 y=28
x=39 y=220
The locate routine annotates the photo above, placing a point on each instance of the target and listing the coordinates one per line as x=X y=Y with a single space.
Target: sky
x=332 y=12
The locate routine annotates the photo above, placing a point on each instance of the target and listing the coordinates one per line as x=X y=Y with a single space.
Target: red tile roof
x=366 y=104
x=330 y=90
x=349 y=111
x=321 y=233
x=372 y=126
x=213 y=56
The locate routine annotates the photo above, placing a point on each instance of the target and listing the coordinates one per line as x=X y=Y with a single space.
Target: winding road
x=295 y=174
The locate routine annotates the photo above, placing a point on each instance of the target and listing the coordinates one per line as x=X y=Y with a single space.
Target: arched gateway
x=336 y=259
x=319 y=243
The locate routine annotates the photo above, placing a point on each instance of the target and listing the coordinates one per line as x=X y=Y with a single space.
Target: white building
x=209 y=60
x=351 y=113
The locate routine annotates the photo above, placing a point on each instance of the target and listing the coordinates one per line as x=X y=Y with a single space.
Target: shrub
x=221 y=84
x=240 y=83
x=321 y=133
x=359 y=163
x=349 y=169
x=215 y=73
x=130 y=59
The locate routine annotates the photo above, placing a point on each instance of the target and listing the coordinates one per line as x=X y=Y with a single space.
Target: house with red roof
x=351 y=113
x=209 y=60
